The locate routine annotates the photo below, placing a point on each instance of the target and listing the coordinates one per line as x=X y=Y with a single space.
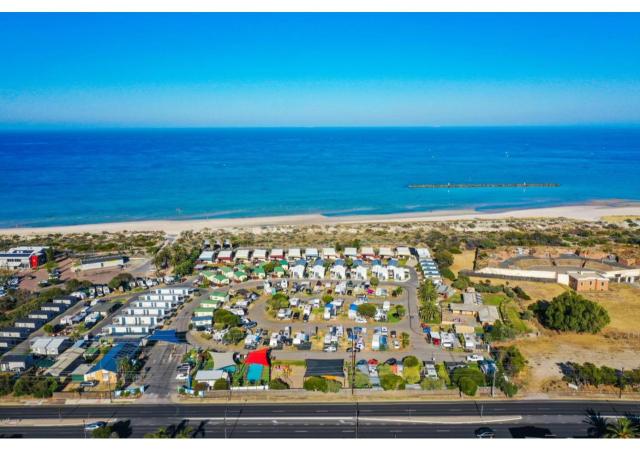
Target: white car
x=94 y=425
x=182 y=376
x=396 y=344
x=361 y=320
x=475 y=358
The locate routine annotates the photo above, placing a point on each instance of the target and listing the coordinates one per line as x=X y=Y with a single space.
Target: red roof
x=373 y=362
x=258 y=357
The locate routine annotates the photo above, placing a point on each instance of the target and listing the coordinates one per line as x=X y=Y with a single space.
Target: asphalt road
x=425 y=409
x=327 y=429
x=381 y=420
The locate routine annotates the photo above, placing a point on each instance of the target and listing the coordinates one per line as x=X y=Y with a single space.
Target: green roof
x=204 y=310
x=218 y=294
x=278 y=269
x=240 y=273
x=258 y=270
x=225 y=269
x=220 y=277
x=207 y=273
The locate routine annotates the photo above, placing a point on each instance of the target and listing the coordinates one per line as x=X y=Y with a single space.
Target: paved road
x=561 y=418
x=328 y=429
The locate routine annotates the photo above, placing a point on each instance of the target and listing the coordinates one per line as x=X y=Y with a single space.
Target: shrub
x=226 y=318
x=234 y=335
x=326 y=299
x=315 y=384
x=468 y=386
x=509 y=389
x=467 y=372
x=220 y=385
x=278 y=385
x=571 y=312
x=411 y=361
x=391 y=382
x=367 y=310
x=6 y=383
x=510 y=360
x=39 y=387
x=432 y=384
x=448 y=274
x=333 y=386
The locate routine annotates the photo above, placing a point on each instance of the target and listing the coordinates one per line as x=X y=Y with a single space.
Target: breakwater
x=483 y=185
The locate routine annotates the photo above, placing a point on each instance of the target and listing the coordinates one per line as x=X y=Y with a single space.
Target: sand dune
x=588 y=212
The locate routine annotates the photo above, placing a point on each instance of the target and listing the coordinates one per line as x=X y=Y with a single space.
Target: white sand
x=588 y=212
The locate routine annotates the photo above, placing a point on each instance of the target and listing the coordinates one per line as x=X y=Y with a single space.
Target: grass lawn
x=290 y=362
x=493 y=299
x=361 y=380
x=443 y=374
x=510 y=312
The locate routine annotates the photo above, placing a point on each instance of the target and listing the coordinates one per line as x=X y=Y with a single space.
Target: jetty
x=483 y=185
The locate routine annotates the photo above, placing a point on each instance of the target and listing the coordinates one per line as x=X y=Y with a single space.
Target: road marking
x=443 y=431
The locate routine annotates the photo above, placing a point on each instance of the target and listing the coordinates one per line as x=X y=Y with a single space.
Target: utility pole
x=493 y=382
x=620 y=382
x=225 y=421
x=353 y=364
x=357 y=414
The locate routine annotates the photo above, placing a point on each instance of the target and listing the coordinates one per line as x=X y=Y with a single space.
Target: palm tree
x=623 y=428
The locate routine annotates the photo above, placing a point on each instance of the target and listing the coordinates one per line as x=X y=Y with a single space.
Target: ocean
x=76 y=177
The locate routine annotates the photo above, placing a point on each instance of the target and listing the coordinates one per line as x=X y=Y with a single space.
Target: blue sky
x=113 y=70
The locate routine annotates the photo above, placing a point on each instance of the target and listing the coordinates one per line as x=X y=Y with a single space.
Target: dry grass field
x=463 y=261
x=618 y=345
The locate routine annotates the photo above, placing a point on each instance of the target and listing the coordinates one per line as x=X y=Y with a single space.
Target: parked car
x=86 y=384
x=94 y=425
x=475 y=358
x=485 y=433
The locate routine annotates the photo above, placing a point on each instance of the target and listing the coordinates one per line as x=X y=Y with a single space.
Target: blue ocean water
x=74 y=177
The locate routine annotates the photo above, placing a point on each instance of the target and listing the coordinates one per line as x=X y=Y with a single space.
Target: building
x=66 y=362
x=403 y=252
x=42 y=315
x=225 y=256
x=588 y=281
x=16 y=363
x=385 y=252
x=206 y=256
x=23 y=257
x=276 y=254
x=311 y=253
x=339 y=270
x=102 y=262
x=329 y=253
x=14 y=332
x=297 y=271
x=367 y=253
x=350 y=252
x=106 y=370
x=294 y=253
x=259 y=254
x=209 y=377
x=30 y=324
x=242 y=255
x=50 y=346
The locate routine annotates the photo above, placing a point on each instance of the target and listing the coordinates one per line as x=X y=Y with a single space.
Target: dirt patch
x=463 y=261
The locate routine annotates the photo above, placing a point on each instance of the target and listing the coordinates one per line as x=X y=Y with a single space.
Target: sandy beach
x=588 y=212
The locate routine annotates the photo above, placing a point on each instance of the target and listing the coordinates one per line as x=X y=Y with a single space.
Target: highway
x=444 y=419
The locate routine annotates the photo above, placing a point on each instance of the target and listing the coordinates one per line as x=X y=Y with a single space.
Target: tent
x=254 y=372
x=171 y=336
x=324 y=368
x=224 y=361
x=260 y=357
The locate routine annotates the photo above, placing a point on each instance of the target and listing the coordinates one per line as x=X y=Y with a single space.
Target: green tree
x=7 y=381
x=468 y=386
x=161 y=433
x=278 y=384
x=622 y=428
x=104 y=433
x=221 y=385
x=48 y=328
x=316 y=384
x=374 y=281
x=391 y=382
x=326 y=299
x=226 y=318
x=234 y=335
x=571 y=312
x=367 y=310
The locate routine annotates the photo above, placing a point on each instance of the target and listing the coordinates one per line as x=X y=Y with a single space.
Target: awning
x=324 y=368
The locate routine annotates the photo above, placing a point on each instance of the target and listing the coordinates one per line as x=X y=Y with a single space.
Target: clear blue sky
x=91 y=70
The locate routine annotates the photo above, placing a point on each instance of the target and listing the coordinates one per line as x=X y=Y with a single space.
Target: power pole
x=357 y=414
x=493 y=382
x=353 y=365
x=620 y=382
